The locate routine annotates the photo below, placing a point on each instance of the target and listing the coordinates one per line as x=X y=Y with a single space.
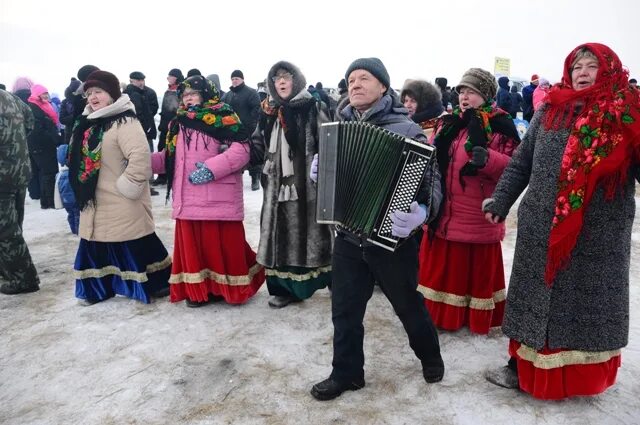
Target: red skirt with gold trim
x=557 y=374
x=462 y=283
x=213 y=257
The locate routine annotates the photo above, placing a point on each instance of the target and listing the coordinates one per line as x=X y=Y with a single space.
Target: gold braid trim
x=222 y=279
x=126 y=275
x=564 y=358
x=298 y=277
x=463 y=300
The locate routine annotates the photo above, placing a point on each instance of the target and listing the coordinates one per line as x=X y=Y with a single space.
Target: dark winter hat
x=206 y=88
x=427 y=95
x=73 y=86
x=342 y=85
x=3 y=87
x=441 y=82
x=374 y=66
x=84 y=72
x=193 y=71
x=237 y=73
x=137 y=75
x=299 y=81
x=633 y=81
x=106 y=81
x=175 y=72
x=481 y=81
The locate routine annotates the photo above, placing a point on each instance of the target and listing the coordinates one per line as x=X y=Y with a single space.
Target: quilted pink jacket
x=220 y=199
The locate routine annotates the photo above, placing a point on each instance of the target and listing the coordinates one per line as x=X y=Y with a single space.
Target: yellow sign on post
x=502 y=66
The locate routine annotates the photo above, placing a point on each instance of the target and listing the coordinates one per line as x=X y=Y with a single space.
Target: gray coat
x=587 y=307
x=289 y=234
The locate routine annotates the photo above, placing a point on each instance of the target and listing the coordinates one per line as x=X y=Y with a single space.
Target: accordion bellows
x=365 y=173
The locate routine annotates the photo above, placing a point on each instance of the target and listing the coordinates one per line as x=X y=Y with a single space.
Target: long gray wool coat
x=587 y=307
x=289 y=234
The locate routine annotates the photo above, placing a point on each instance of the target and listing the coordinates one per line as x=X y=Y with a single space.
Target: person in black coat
x=145 y=101
x=246 y=102
x=67 y=112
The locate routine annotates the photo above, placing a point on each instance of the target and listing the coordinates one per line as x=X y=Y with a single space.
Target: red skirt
x=557 y=374
x=213 y=257
x=462 y=284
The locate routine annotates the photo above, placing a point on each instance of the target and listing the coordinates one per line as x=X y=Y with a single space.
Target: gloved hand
x=479 y=156
x=477 y=135
x=201 y=175
x=468 y=114
x=313 y=172
x=404 y=223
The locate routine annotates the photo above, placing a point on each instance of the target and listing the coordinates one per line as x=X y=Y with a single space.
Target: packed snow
x=124 y=362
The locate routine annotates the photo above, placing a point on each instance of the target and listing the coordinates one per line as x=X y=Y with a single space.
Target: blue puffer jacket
x=64 y=187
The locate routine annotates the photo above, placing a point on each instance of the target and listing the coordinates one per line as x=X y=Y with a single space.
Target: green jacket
x=16 y=122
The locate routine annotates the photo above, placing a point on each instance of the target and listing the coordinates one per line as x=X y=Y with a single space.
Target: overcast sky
x=49 y=41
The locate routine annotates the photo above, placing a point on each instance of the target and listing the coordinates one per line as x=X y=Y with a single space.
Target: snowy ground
x=123 y=362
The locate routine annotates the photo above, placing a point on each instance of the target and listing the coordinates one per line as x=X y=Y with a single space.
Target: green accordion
x=365 y=173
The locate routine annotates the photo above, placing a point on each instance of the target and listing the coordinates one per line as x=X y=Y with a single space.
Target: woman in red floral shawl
x=567 y=310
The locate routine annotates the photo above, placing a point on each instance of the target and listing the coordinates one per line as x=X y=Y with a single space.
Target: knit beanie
x=84 y=72
x=104 y=80
x=137 y=75
x=374 y=66
x=193 y=71
x=481 y=81
x=237 y=74
x=175 y=72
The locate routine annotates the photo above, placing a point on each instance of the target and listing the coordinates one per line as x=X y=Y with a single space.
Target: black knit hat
x=193 y=71
x=175 y=72
x=198 y=83
x=84 y=72
x=104 y=80
x=137 y=75
x=237 y=73
x=481 y=81
x=374 y=66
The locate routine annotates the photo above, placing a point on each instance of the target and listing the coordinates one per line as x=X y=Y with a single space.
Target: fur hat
x=481 y=81
x=237 y=74
x=84 y=72
x=137 y=75
x=374 y=66
x=198 y=83
x=175 y=72
x=299 y=82
x=425 y=94
x=104 y=80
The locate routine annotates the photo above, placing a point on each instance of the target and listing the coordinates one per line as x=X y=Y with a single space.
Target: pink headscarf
x=36 y=91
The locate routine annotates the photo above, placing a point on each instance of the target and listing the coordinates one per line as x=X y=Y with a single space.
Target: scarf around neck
x=85 y=148
x=603 y=142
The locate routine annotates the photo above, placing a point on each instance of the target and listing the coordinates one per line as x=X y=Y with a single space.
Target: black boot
x=255 y=182
x=330 y=389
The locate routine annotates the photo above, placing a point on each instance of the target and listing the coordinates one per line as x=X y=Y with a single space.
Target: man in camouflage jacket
x=16 y=268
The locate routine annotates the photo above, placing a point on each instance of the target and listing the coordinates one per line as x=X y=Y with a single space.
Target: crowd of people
x=566 y=310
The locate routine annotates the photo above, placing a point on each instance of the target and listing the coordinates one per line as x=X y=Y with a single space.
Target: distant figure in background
x=262 y=90
x=16 y=267
x=633 y=83
x=246 y=103
x=78 y=99
x=66 y=191
x=441 y=82
x=527 y=98
x=325 y=98
x=43 y=141
x=540 y=93
x=423 y=100
x=67 y=114
x=109 y=169
x=215 y=79
x=516 y=102
x=170 y=103
x=342 y=88
x=503 y=100
x=22 y=88
x=193 y=71
x=145 y=101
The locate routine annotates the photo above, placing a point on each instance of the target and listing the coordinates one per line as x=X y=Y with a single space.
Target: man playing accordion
x=358 y=265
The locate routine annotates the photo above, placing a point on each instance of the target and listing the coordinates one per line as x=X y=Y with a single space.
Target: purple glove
x=313 y=173
x=404 y=223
